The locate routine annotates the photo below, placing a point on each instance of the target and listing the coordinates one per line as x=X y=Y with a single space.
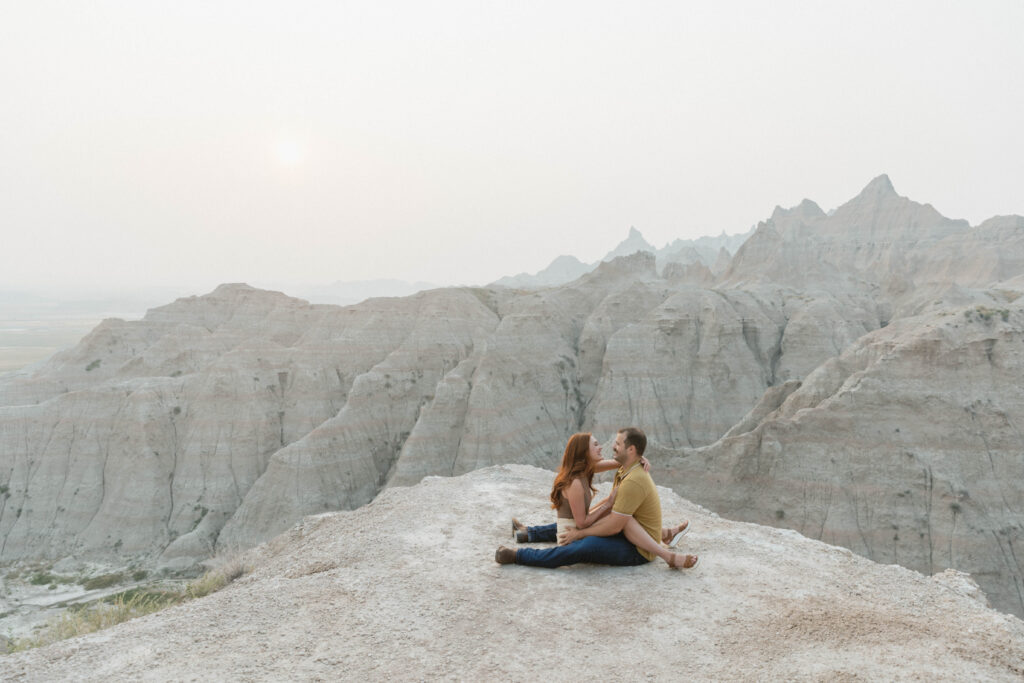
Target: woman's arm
x=602 y=507
x=609 y=465
x=580 y=515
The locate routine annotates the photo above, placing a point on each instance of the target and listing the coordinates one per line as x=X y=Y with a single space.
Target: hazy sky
x=154 y=143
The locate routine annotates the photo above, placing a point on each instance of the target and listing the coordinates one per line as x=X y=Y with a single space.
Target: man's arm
x=628 y=496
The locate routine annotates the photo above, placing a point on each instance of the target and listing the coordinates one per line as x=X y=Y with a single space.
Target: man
x=636 y=512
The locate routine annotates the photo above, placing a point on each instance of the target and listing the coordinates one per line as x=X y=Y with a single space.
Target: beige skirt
x=565 y=523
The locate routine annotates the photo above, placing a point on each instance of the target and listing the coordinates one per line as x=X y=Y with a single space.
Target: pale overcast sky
x=194 y=143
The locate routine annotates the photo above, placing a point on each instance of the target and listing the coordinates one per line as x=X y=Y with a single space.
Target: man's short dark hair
x=632 y=436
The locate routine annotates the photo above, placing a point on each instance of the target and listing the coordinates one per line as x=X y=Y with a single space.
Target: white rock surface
x=406 y=588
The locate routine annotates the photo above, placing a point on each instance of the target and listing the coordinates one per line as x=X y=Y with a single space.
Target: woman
x=571 y=496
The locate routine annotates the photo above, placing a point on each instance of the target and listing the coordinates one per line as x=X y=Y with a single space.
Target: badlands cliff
x=406 y=588
x=855 y=375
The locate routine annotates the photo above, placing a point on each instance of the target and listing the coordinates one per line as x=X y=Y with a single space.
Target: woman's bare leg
x=636 y=535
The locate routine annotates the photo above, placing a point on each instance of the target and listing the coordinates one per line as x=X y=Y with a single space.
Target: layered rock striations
x=221 y=419
x=848 y=374
x=907 y=448
x=187 y=409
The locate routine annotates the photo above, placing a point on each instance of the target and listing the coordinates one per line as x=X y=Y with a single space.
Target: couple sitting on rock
x=623 y=529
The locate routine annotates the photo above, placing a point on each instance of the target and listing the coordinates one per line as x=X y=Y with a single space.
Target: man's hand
x=569 y=535
x=645 y=464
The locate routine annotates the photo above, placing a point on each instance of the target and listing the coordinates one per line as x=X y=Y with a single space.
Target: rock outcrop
x=770 y=379
x=405 y=588
x=906 y=448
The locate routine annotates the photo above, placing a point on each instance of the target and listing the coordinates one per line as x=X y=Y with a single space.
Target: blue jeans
x=545 y=533
x=614 y=550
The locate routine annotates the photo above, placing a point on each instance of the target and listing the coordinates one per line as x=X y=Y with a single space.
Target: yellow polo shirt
x=638 y=497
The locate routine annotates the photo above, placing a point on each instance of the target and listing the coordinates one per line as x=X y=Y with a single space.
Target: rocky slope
x=906 y=448
x=406 y=588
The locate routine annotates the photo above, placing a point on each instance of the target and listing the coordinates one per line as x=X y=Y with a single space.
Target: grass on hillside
x=120 y=607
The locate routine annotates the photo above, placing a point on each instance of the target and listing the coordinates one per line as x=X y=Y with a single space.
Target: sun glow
x=289 y=152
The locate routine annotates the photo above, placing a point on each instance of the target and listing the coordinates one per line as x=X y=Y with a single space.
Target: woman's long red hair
x=575 y=464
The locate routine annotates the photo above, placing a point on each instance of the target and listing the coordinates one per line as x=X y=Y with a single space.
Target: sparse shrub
x=78 y=620
x=93 y=365
x=170 y=597
x=104 y=581
x=94 y=617
x=212 y=581
x=42 y=578
x=986 y=313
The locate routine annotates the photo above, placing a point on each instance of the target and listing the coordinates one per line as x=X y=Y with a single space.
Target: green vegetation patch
x=104 y=581
x=45 y=578
x=985 y=313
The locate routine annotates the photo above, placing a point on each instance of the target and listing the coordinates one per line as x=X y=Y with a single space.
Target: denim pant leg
x=545 y=533
x=614 y=550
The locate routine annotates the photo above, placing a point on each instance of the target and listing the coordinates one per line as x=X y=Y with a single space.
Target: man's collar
x=622 y=474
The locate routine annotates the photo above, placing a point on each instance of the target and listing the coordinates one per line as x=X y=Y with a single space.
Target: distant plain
x=36 y=325
x=23 y=342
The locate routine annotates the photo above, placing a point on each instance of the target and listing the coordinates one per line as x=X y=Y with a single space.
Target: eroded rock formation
x=853 y=375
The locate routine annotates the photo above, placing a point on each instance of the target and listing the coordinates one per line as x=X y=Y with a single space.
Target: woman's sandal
x=679 y=536
x=684 y=565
